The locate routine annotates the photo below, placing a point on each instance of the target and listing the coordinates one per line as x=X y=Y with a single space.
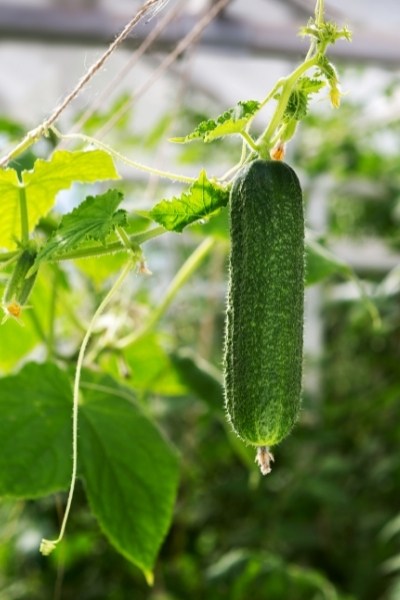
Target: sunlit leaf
x=202 y=199
x=41 y=185
x=94 y=219
x=232 y=121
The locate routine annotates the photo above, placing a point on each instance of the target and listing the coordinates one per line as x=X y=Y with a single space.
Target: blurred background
x=326 y=523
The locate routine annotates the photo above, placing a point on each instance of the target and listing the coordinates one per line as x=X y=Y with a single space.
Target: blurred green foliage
x=325 y=524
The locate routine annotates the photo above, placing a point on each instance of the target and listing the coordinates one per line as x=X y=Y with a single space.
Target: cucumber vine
x=98 y=226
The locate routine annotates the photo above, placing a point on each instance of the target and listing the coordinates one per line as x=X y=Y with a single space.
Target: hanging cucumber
x=264 y=327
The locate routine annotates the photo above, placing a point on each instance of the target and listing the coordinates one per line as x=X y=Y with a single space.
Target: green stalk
x=288 y=84
x=145 y=236
x=319 y=12
x=23 y=207
x=249 y=140
x=122 y=158
x=100 y=250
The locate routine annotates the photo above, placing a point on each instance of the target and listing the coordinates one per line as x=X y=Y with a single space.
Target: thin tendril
x=47 y=546
x=122 y=158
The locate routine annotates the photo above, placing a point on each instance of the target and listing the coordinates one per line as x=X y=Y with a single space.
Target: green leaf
x=202 y=199
x=35 y=432
x=297 y=106
x=29 y=334
x=232 y=121
x=310 y=85
x=42 y=184
x=94 y=219
x=130 y=471
x=321 y=263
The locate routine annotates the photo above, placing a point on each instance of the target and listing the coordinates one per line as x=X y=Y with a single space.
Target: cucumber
x=19 y=286
x=263 y=352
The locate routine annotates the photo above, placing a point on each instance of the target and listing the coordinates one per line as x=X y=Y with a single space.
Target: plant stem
x=247 y=137
x=93 y=251
x=319 y=13
x=124 y=237
x=264 y=141
x=124 y=159
x=23 y=207
x=145 y=236
x=136 y=239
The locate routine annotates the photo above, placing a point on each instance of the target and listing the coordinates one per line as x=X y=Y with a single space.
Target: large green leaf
x=130 y=471
x=35 y=432
x=42 y=184
x=203 y=198
x=94 y=219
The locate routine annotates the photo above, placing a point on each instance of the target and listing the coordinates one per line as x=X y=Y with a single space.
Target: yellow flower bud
x=335 y=95
x=278 y=151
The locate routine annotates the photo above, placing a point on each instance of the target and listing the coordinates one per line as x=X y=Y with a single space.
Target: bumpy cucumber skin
x=265 y=303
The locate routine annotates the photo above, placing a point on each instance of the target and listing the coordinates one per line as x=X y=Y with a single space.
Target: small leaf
x=232 y=121
x=43 y=183
x=201 y=200
x=130 y=471
x=297 y=106
x=94 y=219
x=310 y=85
x=35 y=432
x=322 y=263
